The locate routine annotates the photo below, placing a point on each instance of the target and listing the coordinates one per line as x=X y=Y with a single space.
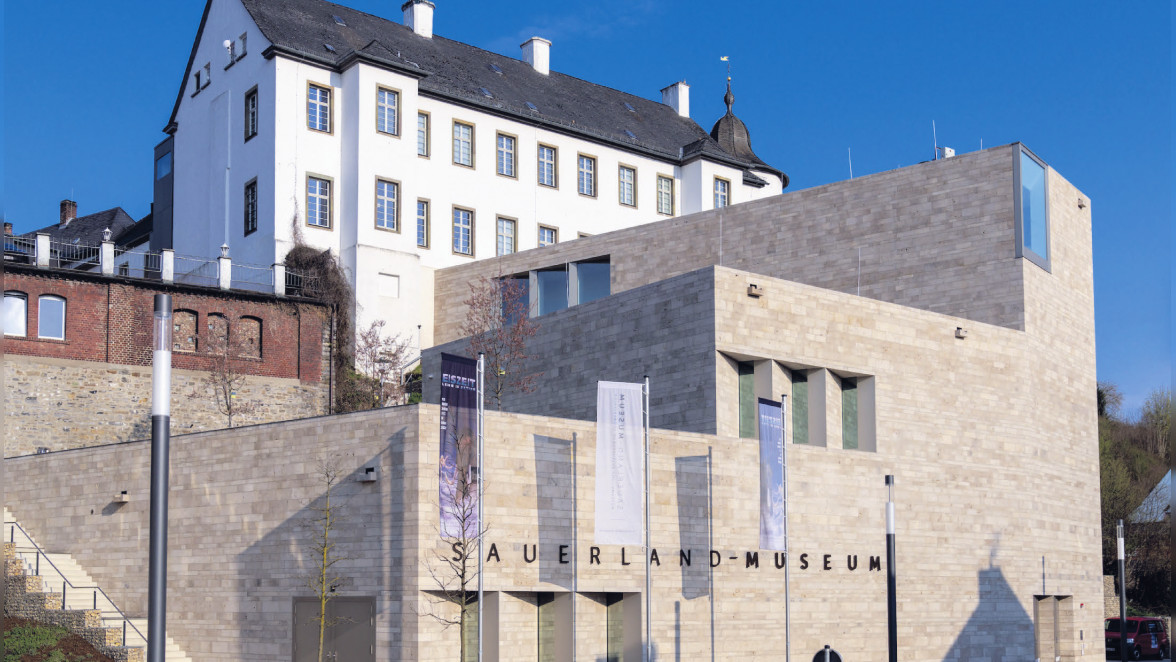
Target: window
x=665 y=195
x=218 y=334
x=548 y=236
x=51 y=317
x=251 y=113
x=251 y=206
x=849 y=413
x=586 y=175
x=547 y=169
x=318 y=108
x=506 y=236
x=318 y=202
x=627 y=186
x=163 y=166
x=506 y=155
x=614 y=626
x=747 y=400
x=387 y=201
x=592 y=280
x=722 y=193
x=423 y=134
x=463 y=144
x=800 y=407
x=463 y=231
x=184 y=331
x=553 y=289
x=249 y=337
x=1031 y=208
x=422 y=229
x=15 y=314
x=387 y=111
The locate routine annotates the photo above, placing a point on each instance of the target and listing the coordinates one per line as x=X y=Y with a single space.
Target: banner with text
x=772 y=491
x=619 y=463
x=459 y=473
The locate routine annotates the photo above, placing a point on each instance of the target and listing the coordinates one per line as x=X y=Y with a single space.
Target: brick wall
x=94 y=387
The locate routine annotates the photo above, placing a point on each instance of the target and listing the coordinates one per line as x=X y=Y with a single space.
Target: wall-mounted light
x=224 y=250
x=961 y=332
x=121 y=497
x=368 y=475
x=106 y=234
x=755 y=291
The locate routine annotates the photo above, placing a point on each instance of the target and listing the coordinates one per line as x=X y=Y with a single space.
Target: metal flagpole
x=160 y=439
x=648 y=546
x=891 y=573
x=784 y=473
x=481 y=482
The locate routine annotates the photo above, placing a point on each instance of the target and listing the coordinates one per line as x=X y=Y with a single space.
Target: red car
x=1145 y=637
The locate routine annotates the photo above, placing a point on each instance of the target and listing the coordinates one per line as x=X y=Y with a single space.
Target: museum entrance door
x=350 y=635
x=1053 y=627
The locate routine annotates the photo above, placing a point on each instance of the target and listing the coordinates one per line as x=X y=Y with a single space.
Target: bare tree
x=322 y=525
x=498 y=323
x=226 y=376
x=381 y=359
x=454 y=568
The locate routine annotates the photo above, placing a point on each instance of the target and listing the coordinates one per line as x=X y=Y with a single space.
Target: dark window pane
x=553 y=290
x=593 y=280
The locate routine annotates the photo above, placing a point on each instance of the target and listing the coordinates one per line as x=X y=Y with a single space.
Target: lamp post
x=891 y=575
x=1122 y=593
x=160 y=438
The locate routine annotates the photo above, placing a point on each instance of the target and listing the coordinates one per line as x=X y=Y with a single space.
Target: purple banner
x=772 y=491
x=459 y=473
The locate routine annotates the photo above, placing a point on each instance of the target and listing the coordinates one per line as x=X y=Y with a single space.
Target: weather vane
x=727 y=59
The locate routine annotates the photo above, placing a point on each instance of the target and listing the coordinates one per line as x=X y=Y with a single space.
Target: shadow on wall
x=999 y=628
x=280 y=566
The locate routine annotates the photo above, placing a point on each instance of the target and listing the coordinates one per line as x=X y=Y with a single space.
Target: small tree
x=498 y=323
x=454 y=569
x=381 y=359
x=325 y=580
x=226 y=376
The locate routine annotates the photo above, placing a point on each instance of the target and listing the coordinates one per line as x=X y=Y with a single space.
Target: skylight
x=532 y=106
x=338 y=20
x=495 y=68
x=329 y=47
x=630 y=134
x=485 y=93
x=629 y=107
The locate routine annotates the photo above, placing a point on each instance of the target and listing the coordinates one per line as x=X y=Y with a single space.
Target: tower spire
x=728 y=97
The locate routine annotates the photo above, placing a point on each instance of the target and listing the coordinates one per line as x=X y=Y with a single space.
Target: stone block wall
x=937 y=236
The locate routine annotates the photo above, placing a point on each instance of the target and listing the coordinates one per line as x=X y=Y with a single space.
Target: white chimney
x=537 y=53
x=677 y=96
x=418 y=16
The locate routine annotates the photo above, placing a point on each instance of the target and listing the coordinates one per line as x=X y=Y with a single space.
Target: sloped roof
x=87 y=230
x=457 y=72
x=732 y=135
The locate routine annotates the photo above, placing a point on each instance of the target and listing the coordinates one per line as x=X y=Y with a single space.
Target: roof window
x=329 y=47
x=485 y=93
x=339 y=20
x=629 y=107
x=495 y=68
x=531 y=106
x=630 y=134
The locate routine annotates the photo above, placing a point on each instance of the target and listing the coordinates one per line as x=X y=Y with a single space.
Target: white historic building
x=403 y=152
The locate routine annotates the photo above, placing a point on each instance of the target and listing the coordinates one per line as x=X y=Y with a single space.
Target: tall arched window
x=51 y=317
x=15 y=314
x=184 y=331
x=249 y=337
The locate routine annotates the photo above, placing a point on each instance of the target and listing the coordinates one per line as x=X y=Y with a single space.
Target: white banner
x=619 y=463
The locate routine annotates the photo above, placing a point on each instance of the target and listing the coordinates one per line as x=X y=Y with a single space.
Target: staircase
x=53 y=587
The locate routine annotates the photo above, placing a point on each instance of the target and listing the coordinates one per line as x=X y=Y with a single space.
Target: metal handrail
x=64 y=582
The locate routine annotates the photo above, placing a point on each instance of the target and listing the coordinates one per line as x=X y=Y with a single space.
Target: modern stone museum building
x=934 y=323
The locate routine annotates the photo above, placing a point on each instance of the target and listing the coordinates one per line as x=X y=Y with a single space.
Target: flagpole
x=481 y=474
x=648 y=546
x=784 y=474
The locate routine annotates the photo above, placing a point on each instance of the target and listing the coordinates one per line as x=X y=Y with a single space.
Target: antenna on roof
x=850 y=150
x=935 y=141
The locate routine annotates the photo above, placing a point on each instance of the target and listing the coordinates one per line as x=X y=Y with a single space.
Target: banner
x=619 y=464
x=459 y=473
x=772 y=491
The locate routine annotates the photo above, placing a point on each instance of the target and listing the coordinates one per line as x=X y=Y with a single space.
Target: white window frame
x=387 y=206
x=385 y=108
x=551 y=165
x=14 y=296
x=665 y=198
x=507 y=235
x=251 y=113
x=323 y=199
x=423 y=120
x=554 y=235
x=722 y=189
x=629 y=186
x=463 y=229
x=318 y=107
x=41 y=301
x=250 y=207
x=586 y=175
x=422 y=229
x=463 y=146
x=506 y=158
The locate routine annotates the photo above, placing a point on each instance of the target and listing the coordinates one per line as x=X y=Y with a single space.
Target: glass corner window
x=1031 y=208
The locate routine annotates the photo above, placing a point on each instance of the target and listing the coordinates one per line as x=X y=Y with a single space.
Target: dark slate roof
x=732 y=135
x=136 y=234
x=455 y=71
x=87 y=230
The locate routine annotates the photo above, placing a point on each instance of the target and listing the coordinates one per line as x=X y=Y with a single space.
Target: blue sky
x=88 y=87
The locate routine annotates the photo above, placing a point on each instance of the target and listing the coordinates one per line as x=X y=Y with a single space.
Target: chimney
x=7 y=229
x=69 y=211
x=418 y=16
x=537 y=53
x=677 y=96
